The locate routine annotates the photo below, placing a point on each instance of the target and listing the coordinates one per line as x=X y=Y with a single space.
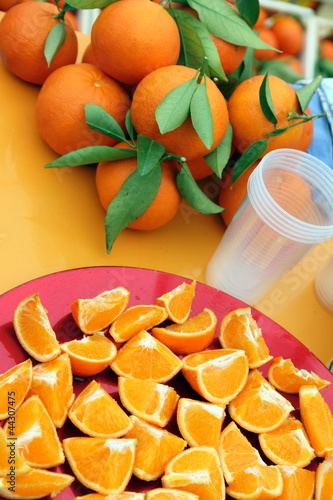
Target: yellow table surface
x=51 y=220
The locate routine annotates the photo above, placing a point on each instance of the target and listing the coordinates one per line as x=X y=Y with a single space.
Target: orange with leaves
x=290 y=34
x=267 y=36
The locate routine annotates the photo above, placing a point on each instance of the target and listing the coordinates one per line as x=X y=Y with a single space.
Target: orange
x=231 y=55
x=136 y=318
x=127 y=495
x=36 y=483
x=60 y=106
x=285 y=377
x=33 y=329
x=103 y=465
x=326 y=49
x=88 y=56
x=317 y=419
x=269 y=37
x=178 y=302
x=292 y=61
x=71 y=17
x=259 y=407
x=11 y=457
x=239 y=330
x=183 y=140
x=90 y=355
x=97 y=414
x=288 y=444
x=252 y=125
x=169 y=494
x=217 y=375
x=263 y=15
x=7 y=4
x=148 y=400
x=52 y=381
x=196 y=470
x=142 y=37
x=23 y=32
x=91 y=496
x=95 y=314
x=14 y=386
x=298 y=484
x=290 y=34
x=324 y=478
x=146 y=358
x=200 y=422
x=304 y=142
x=259 y=482
x=155 y=448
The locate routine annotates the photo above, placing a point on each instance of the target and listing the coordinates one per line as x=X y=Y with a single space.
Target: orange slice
x=257 y=482
x=149 y=400
x=90 y=355
x=217 y=375
x=52 y=381
x=317 y=419
x=178 y=302
x=91 y=496
x=239 y=330
x=103 y=465
x=11 y=458
x=127 y=495
x=14 y=386
x=194 y=334
x=169 y=494
x=97 y=414
x=285 y=377
x=288 y=444
x=259 y=407
x=198 y=471
x=155 y=448
x=298 y=483
x=33 y=329
x=37 y=483
x=324 y=478
x=96 y=314
x=146 y=358
x=199 y=422
x=136 y=318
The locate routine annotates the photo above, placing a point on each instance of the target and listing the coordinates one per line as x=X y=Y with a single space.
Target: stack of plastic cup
x=288 y=210
x=324 y=285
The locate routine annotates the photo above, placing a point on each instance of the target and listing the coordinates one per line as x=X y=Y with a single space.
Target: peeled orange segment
x=198 y=471
x=195 y=334
x=298 y=483
x=324 y=478
x=199 y=422
x=103 y=465
x=217 y=375
x=169 y=494
x=136 y=318
x=34 y=331
x=317 y=419
x=288 y=444
x=52 y=382
x=146 y=358
x=155 y=448
x=285 y=377
x=36 y=436
x=149 y=400
x=14 y=386
x=178 y=302
x=95 y=314
x=37 y=483
x=10 y=457
x=259 y=407
x=236 y=452
x=257 y=482
x=239 y=330
x=97 y=414
x=90 y=355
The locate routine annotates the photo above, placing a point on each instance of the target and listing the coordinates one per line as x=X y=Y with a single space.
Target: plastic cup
x=324 y=286
x=287 y=210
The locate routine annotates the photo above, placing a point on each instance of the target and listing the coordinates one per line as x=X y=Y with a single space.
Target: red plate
x=57 y=291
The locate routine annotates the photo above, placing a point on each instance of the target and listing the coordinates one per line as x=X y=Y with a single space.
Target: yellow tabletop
x=51 y=220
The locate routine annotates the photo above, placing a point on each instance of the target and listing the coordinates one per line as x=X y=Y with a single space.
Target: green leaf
x=129 y=125
x=219 y=157
x=149 y=154
x=89 y=155
x=54 y=41
x=175 y=107
x=305 y=93
x=266 y=101
x=279 y=69
x=250 y=155
x=248 y=10
x=201 y=115
x=131 y=201
x=100 y=120
x=191 y=192
x=90 y=4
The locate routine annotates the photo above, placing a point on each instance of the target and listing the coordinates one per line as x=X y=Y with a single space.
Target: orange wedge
x=178 y=302
x=285 y=377
x=169 y=494
x=149 y=400
x=239 y=330
x=194 y=334
x=37 y=483
x=14 y=386
x=97 y=414
x=11 y=459
x=127 y=495
x=324 y=478
x=259 y=407
x=259 y=482
x=91 y=496
x=90 y=355
x=298 y=483
x=96 y=314
x=146 y=358
x=136 y=318
x=217 y=375
x=33 y=329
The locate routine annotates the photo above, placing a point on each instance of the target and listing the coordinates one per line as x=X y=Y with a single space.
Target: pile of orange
x=223 y=429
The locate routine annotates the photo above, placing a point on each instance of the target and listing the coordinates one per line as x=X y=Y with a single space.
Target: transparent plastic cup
x=287 y=210
x=324 y=285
